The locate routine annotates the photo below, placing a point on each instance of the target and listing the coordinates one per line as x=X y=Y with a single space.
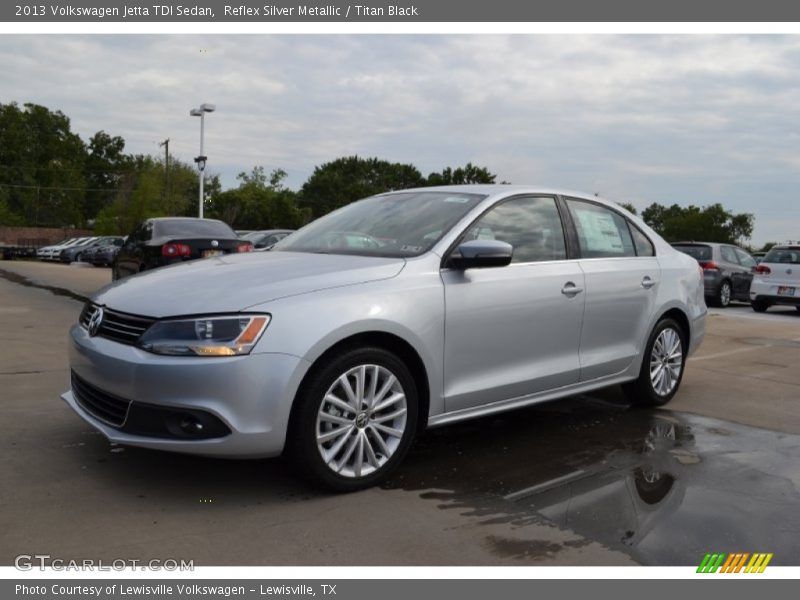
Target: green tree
x=41 y=165
x=104 y=169
x=346 y=179
x=710 y=223
x=260 y=202
x=140 y=195
x=628 y=206
x=467 y=174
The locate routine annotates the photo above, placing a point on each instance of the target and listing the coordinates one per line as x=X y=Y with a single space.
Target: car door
x=748 y=263
x=513 y=331
x=622 y=280
x=732 y=270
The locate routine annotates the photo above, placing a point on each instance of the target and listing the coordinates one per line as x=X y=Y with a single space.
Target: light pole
x=201 y=159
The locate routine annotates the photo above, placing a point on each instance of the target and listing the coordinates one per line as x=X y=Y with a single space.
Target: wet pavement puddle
x=664 y=487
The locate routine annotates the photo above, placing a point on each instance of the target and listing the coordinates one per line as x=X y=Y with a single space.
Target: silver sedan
x=402 y=311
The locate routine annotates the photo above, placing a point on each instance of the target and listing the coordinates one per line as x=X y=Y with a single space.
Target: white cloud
x=682 y=118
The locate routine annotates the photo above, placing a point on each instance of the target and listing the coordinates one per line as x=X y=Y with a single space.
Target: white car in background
x=53 y=252
x=776 y=279
x=44 y=252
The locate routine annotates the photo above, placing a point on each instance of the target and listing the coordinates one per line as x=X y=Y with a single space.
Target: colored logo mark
x=735 y=563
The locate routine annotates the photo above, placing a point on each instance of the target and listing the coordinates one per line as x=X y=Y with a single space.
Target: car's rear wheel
x=759 y=306
x=723 y=297
x=662 y=367
x=355 y=419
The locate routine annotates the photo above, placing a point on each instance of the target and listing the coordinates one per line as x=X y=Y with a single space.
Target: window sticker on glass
x=457 y=199
x=600 y=232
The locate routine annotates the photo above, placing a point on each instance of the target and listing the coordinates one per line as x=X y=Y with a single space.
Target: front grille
x=117 y=326
x=105 y=407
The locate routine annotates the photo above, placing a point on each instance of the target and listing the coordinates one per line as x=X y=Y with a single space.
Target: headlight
x=205 y=336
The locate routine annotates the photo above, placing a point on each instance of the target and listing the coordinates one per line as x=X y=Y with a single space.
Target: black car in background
x=727 y=270
x=168 y=240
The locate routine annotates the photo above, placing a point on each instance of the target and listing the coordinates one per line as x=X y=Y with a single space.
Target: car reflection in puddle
x=663 y=487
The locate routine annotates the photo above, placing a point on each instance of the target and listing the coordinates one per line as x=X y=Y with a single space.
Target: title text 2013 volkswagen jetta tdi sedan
x=395 y=313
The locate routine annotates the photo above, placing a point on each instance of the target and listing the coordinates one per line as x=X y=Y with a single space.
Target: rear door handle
x=647 y=283
x=571 y=290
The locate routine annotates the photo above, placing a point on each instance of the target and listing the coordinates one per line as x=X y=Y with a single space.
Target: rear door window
x=602 y=233
x=744 y=258
x=728 y=255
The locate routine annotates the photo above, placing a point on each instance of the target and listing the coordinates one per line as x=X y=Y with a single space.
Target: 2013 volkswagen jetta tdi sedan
x=399 y=312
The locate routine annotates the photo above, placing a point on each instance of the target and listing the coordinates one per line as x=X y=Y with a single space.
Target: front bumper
x=252 y=395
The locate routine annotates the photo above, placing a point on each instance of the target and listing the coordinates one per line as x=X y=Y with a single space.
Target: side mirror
x=479 y=254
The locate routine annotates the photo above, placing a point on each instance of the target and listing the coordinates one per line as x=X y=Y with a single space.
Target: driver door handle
x=571 y=290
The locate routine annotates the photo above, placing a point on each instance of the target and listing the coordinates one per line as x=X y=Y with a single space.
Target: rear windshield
x=696 y=251
x=790 y=256
x=193 y=229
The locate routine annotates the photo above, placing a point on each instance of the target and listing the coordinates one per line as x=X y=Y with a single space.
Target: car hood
x=235 y=282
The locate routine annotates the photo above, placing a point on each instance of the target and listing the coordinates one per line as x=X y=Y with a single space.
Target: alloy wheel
x=361 y=420
x=666 y=362
x=725 y=294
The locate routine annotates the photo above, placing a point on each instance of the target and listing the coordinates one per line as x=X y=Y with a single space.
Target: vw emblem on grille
x=788 y=271
x=94 y=321
x=214 y=243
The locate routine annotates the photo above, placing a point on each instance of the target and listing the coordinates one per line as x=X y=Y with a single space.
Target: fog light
x=191 y=425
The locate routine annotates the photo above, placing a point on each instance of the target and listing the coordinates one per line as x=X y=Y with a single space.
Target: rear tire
x=760 y=306
x=370 y=443
x=724 y=294
x=662 y=367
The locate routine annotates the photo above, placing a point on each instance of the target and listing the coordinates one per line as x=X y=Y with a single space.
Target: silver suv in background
x=727 y=270
x=777 y=279
x=467 y=301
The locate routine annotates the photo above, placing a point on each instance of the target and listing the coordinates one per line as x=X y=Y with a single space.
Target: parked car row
x=80 y=249
x=731 y=273
x=161 y=241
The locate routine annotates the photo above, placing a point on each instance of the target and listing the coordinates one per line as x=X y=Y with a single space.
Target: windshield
x=696 y=251
x=392 y=225
x=789 y=256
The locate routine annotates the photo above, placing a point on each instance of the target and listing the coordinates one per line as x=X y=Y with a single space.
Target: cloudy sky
x=643 y=118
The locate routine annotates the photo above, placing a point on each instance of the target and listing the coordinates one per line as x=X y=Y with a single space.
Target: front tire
x=662 y=367
x=759 y=306
x=356 y=419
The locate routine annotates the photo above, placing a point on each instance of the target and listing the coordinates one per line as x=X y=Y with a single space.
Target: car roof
x=496 y=189
x=699 y=243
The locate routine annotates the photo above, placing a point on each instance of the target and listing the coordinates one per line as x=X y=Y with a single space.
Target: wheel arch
x=681 y=318
x=387 y=341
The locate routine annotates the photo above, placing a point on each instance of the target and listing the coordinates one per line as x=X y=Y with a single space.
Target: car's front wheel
x=759 y=306
x=662 y=366
x=355 y=419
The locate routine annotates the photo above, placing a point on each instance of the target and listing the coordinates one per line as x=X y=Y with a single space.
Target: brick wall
x=38 y=236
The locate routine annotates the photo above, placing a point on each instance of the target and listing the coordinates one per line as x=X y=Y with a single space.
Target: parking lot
x=584 y=481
